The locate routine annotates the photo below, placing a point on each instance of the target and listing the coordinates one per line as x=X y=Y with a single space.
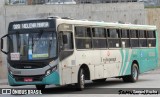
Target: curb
x=4 y=83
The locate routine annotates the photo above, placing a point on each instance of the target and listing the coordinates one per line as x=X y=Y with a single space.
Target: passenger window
x=125 y=38
x=98 y=32
x=151 y=34
x=83 y=43
x=142 y=34
x=142 y=38
x=113 y=33
x=133 y=33
x=113 y=38
x=134 y=38
x=124 y=33
x=83 y=37
x=82 y=32
x=134 y=42
x=99 y=37
x=151 y=39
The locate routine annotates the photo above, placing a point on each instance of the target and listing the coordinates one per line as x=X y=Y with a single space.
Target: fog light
x=48 y=72
x=11 y=72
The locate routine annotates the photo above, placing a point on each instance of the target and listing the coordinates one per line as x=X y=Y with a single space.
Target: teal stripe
x=50 y=79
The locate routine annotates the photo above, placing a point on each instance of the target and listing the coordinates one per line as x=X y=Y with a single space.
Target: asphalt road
x=147 y=81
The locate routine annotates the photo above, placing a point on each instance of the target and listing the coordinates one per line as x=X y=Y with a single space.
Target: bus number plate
x=28 y=79
x=15 y=56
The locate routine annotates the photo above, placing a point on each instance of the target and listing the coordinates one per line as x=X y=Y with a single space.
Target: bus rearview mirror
x=1 y=43
x=3 y=39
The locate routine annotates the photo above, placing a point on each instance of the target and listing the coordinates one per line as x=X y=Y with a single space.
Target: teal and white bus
x=63 y=51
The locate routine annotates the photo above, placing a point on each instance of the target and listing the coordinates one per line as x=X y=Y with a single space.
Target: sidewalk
x=3 y=81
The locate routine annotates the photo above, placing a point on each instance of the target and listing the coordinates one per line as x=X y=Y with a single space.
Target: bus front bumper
x=53 y=78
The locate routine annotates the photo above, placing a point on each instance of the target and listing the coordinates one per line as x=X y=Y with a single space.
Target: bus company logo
x=108 y=53
x=6 y=91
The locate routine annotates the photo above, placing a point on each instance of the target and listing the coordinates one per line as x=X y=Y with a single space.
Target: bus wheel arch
x=83 y=74
x=133 y=77
x=86 y=71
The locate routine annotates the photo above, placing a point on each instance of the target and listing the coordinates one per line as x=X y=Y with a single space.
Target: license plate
x=28 y=79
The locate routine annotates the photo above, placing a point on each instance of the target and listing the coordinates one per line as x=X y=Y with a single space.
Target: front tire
x=40 y=87
x=81 y=80
x=134 y=74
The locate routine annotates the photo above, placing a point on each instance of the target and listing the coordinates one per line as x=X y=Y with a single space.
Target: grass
x=152 y=6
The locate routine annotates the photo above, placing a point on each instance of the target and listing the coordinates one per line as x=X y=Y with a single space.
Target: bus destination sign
x=30 y=25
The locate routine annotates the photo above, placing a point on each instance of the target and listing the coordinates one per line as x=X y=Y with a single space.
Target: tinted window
x=143 y=42
x=83 y=43
x=82 y=32
x=125 y=43
x=152 y=43
x=151 y=34
x=114 y=43
x=134 y=34
x=113 y=33
x=142 y=34
x=114 y=38
x=83 y=37
x=99 y=43
x=69 y=44
x=134 y=43
x=98 y=32
x=151 y=38
x=124 y=34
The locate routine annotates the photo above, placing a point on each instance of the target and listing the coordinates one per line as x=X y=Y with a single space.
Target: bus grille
x=28 y=65
x=35 y=77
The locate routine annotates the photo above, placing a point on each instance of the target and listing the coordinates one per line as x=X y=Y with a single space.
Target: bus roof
x=106 y=24
x=97 y=24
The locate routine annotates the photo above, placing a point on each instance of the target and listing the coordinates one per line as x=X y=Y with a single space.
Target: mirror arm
x=2 y=43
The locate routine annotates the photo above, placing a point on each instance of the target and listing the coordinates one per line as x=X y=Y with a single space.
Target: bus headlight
x=11 y=72
x=48 y=72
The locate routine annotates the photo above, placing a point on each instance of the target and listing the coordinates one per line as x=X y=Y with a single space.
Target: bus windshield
x=33 y=46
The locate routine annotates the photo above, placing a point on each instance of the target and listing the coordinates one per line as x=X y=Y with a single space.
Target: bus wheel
x=134 y=74
x=81 y=80
x=40 y=87
x=99 y=80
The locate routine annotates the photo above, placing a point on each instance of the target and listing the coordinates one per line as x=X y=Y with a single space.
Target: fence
x=35 y=2
x=147 y=3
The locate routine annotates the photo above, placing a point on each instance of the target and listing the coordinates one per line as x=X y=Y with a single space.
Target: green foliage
x=152 y=6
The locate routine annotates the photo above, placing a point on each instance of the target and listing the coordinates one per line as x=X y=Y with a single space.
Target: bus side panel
x=91 y=58
x=66 y=69
x=146 y=59
x=149 y=62
x=126 y=54
x=98 y=72
x=134 y=55
x=112 y=61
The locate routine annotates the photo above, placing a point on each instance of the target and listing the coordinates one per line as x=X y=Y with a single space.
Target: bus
x=64 y=51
